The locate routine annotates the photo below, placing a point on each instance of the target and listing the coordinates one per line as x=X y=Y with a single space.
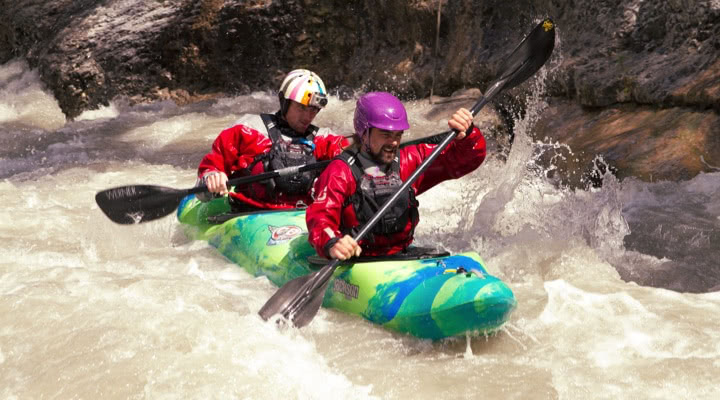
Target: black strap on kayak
x=409 y=254
x=222 y=218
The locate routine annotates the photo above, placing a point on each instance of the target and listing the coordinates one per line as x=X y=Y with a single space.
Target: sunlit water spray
x=92 y=309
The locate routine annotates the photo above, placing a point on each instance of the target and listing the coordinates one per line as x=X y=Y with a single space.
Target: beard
x=385 y=155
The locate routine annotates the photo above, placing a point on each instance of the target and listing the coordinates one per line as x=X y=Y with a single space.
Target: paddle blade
x=303 y=315
x=281 y=301
x=138 y=203
x=298 y=300
x=529 y=56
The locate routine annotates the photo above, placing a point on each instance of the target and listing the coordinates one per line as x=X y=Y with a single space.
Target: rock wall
x=636 y=81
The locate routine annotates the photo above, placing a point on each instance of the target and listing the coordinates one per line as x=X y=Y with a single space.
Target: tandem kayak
x=427 y=295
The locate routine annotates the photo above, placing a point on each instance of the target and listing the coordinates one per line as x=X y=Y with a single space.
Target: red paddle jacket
x=327 y=216
x=234 y=151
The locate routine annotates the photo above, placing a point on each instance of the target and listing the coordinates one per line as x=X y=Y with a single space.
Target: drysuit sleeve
x=233 y=150
x=460 y=158
x=328 y=146
x=324 y=216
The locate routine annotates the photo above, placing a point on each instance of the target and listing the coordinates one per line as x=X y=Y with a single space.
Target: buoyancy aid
x=298 y=151
x=374 y=189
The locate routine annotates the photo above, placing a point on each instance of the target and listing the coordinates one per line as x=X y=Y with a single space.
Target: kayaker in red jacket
x=269 y=142
x=356 y=184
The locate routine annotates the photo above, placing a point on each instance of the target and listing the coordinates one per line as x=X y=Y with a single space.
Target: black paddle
x=300 y=299
x=135 y=204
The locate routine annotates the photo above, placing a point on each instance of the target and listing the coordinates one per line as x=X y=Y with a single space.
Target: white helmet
x=302 y=86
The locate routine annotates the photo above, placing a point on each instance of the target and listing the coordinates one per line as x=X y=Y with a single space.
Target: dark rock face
x=642 y=52
x=89 y=51
x=624 y=71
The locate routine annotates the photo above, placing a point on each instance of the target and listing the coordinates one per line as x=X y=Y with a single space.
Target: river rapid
x=617 y=287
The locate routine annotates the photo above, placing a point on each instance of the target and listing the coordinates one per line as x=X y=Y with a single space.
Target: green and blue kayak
x=428 y=296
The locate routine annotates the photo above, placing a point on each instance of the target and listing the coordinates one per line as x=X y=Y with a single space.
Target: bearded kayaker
x=356 y=184
x=269 y=142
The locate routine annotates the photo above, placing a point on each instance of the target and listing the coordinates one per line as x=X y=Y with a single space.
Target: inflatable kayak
x=425 y=294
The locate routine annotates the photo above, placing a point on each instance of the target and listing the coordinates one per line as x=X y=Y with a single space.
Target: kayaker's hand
x=345 y=248
x=461 y=121
x=216 y=182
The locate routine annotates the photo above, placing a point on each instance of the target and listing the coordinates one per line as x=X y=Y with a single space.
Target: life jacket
x=372 y=192
x=299 y=151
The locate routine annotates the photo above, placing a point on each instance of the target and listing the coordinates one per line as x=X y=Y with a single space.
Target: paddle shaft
x=437 y=138
x=265 y=175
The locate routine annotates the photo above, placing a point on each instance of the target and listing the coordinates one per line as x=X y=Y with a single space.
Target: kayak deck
x=429 y=298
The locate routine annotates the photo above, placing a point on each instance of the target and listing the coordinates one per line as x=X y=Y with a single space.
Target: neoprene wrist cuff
x=330 y=243
x=469 y=130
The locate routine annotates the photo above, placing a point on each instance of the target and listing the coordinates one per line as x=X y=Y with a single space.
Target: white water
x=91 y=309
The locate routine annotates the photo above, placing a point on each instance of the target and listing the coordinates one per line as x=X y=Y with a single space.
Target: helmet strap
x=284 y=104
x=365 y=141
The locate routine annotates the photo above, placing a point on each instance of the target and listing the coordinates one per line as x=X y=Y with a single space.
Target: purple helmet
x=379 y=110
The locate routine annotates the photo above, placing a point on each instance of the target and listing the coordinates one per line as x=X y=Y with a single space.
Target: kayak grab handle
x=467 y=273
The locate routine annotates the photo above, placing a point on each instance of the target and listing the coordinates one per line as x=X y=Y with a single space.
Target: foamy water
x=92 y=309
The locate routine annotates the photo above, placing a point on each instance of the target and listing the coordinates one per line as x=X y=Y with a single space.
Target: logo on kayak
x=350 y=291
x=282 y=234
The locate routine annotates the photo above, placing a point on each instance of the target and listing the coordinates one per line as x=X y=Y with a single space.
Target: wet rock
x=650 y=143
